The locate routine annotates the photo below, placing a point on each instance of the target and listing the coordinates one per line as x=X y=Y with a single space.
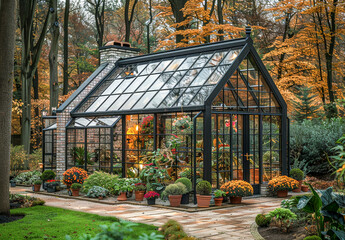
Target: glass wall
x=49 y=148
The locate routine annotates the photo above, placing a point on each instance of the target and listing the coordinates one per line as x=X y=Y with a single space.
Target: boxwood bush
x=310 y=143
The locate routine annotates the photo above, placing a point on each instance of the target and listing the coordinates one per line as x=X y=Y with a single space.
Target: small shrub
x=175 y=189
x=312 y=238
x=297 y=174
x=204 y=188
x=76 y=186
x=25 y=201
x=140 y=187
x=186 y=182
x=172 y=230
x=48 y=175
x=262 y=220
x=97 y=191
x=219 y=194
x=28 y=178
x=101 y=179
x=283 y=218
x=74 y=175
x=38 y=182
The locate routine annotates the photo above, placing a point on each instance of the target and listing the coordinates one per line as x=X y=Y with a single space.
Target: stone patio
x=227 y=223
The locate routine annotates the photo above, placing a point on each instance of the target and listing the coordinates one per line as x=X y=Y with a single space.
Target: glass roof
x=84 y=122
x=51 y=127
x=176 y=82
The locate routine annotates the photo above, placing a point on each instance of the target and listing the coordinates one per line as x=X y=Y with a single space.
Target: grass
x=42 y=222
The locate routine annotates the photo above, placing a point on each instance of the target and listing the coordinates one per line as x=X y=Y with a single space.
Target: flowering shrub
x=151 y=194
x=74 y=175
x=146 y=126
x=183 y=124
x=282 y=183
x=237 y=188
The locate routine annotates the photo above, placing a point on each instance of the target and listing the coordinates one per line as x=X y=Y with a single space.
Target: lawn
x=42 y=222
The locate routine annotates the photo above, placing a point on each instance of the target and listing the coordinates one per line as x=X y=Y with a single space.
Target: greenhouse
x=210 y=111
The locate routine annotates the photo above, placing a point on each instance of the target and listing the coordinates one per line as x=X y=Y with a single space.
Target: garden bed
x=12 y=218
x=273 y=233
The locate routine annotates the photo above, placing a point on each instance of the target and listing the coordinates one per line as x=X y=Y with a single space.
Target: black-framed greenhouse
x=210 y=111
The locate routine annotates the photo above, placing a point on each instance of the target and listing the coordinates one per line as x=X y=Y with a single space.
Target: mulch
x=7 y=219
x=274 y=233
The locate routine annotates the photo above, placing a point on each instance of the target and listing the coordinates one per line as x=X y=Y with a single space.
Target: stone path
x=228 y=223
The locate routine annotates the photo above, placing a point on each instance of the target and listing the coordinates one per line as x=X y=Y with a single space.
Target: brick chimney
x=113 y=51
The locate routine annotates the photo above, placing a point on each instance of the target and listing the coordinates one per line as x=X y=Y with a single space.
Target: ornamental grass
x=282 y=183
x=237 y=188
x=74 y=175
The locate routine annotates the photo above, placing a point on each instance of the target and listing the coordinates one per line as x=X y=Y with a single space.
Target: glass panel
x=119 y=102
x=201 y=96
x=187 y=96
x=188 y=78
x=231 y=56
x=135 y=84
x=82 y=121
x=188 y=63
x=149 y=68
x=157 y=99
x=215 y=77
x=148 y=82
x=131 y=101
x=162 y=66
x=172 y=97
x=203 y=76
x=174 y=79
x=107 y=103
x=203 y=59
x=216 y=59
x=174 y=65
x=160 y=81
x=144 y=100
x=123 y=86
x=112 y=87
x=96 y=104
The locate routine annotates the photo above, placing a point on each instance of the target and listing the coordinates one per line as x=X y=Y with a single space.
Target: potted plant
x=37 y=185
x=175 y=191
x=97 y=192
x=185 y=181
x=151 y=197
x=47 y=175
x=75 y=189
x=236 y=189
x=122 y=187
x=74 y=175
x=51 y=185
x=281 y=185
x=298 y=175
x=13 y=183
x=139 y=189
x=218 y=197
x=304 y=187
x=203 y=190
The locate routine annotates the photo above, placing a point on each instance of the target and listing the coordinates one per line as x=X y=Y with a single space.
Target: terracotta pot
x=282 y=193
x=75 y=192
x=299 y=187
x=235 y=200
x=203 y=200
x=122 y=197
x=37 y=187
x=305 y=188
x=139 y=195
x=218 y=201
x=100 y=197
x=175 y=200
x=151 y=201
x=185 y=198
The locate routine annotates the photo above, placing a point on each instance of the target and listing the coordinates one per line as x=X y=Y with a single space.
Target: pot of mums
x=151 y=197
x=236 y=189
x=139 y=189
x=73 y=175
x=97 y=192
x=282 y=185
x=218 y=197
x=203 y=190
x=47 y=175
x=75 y=189
x=185 y=181
x=298 y=175
x=174 y=192
x=37 y=185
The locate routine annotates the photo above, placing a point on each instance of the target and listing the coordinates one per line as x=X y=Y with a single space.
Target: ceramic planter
x=175 y=200
x=218 y=201
x=51 y=189
x=122 y=197
x=203 y=200
x=151 y=201
x=185 y=198
x=139 y=195
x=100 y=197
x=282 y=193
x=75 y=192
x=235 y=200
x=37 y=187
x=305 y=188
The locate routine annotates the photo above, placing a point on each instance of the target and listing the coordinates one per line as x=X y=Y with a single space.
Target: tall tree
x=176 y=7
x=97 y=7
x=7 y=30
x=53 y=57
x=305 y=107
x=129 y=17
x=65 y=48
x=31 y=52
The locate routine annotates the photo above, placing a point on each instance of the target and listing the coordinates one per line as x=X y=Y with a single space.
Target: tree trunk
x=176 y=7
x=129 y=18
x=65 y=49
x=220 y=19
x=7 y=31
x=53 y=58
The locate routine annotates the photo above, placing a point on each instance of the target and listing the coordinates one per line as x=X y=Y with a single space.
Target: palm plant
x=78 y=154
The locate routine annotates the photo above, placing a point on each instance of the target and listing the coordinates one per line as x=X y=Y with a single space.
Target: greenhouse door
x=251 y=151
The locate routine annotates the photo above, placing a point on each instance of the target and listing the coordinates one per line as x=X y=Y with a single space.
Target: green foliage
x=101 y=179
x=312 y=141
x=97 y=191
x=19 y=159
x=219 y=193
x=305 y=108
x=339 y=159
x=124 y=185
x=26 y=201
x=283 y=218
x=28 y=178
x=76 y=186
x=186 y=182
x=78 y=154
x=262 y=220
x=204 y=188
x=270 y=156
x=175 y=189
x=172 y=230
x=38 y=182
x=297 y=174
x=312 y=238
x=186 y=173
x=48 y=175
x=331 y=110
